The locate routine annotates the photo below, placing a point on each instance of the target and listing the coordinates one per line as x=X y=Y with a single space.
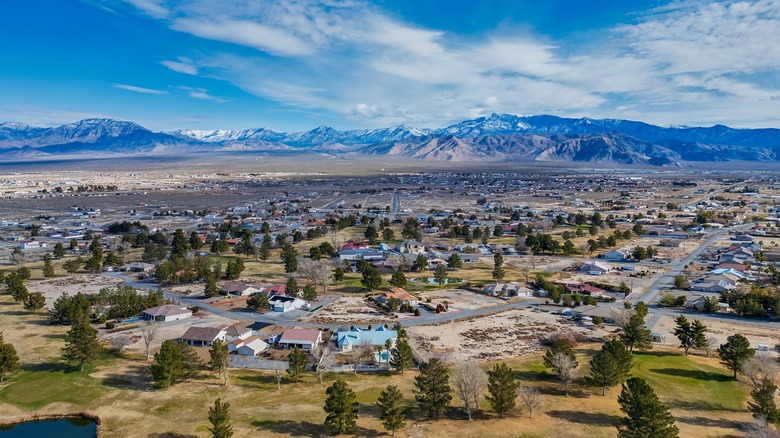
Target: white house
x=594 y=267
x=203 y=336
x=410 y=246
x=166 y=313
x=304 y=339
x=615 y=255
x=283 y=303
x=237 y=288
x=512 y=289
x=237 y=332
x=252 y=347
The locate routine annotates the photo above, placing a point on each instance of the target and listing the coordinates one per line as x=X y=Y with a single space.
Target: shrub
x=416 y=312
x=110 y=325
x=195 y=309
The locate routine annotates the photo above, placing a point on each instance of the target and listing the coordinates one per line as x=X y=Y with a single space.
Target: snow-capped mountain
x=503 y=137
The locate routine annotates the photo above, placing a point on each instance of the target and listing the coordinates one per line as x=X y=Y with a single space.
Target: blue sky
x=296 y=64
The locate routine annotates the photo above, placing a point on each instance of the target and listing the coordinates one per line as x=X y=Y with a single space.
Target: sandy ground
x=349 y=310
x=458 y=299
x=513 y=333
x=719 y=331
x=72 y=285
x=132 y=339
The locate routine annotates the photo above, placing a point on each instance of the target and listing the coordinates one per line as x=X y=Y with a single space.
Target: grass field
x=706 y=402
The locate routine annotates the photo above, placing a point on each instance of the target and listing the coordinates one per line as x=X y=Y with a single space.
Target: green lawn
x=35 y=389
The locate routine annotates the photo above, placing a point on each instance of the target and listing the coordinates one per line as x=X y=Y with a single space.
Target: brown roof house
x=166 y=313
x=296 y=337
x=203 y=336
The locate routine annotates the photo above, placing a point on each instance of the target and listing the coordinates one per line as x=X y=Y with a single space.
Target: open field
x=118 y=389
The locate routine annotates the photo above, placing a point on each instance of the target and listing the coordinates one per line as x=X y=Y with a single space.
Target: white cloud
x=141 y=90
x=183 y=65
x=203 y=94
x=686 y=62
x=153 y=8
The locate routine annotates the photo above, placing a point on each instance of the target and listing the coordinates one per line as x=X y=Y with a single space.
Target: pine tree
x=48 y=268
x=59 y=250
x=372 y=278
x=398 y=279
x=392 y=411
x=291 y=287
x=454 y=261
x=309 y=292
x=440 y=274
x=763 y=404
x=9 y=360
x=219 y=417
x=616 y=370
x=402 y=357
x=635 y=334
x=265 y=248
x=690 y=335
x=258 y=301
x=219 y=359
x=34 y=302
x=81 y=344
x=432 y=388
x=180 y=245
x=296 y=364
x=341 y=406
x=176 y=361
x=502 y=386
x=498 y=269
x=646 y=416
x=211 y=289
x=734 y=352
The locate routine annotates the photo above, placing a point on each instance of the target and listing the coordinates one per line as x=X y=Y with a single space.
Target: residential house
x=594 y=267
x=512 y=289
x=237 y=288
x=410 y=246
x=615 y=255
x=347 y=340
x=252 y=347
x=399 y=294
x=237 y=332
x=203 y=336
x=168 y=312
x=584 y=289
x=284 y=303
x=296 y=337
x=607 y=314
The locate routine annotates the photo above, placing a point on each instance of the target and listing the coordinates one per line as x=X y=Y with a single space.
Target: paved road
x=395 y=204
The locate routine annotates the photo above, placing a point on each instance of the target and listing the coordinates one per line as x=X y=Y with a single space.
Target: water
x=61 y=428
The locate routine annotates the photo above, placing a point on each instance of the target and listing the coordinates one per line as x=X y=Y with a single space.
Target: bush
x=416 y=312
x=195 y=309
x=110 y=325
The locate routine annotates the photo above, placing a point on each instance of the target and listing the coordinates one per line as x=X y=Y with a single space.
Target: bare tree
x=316 y=272
x=360 y=354
x=323 y=359
x=760 y=428
x=759 y=367
x=531 y=397
x=120 y=342
x=525 y=272
x=469 y=380
x=278 y=374
x=709 y=344
x=565 y=366
x=148 y=333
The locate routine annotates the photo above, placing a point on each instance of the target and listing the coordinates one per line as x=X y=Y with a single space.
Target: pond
x=71 y=427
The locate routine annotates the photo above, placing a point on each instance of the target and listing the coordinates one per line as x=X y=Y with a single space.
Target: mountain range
x=498 y=137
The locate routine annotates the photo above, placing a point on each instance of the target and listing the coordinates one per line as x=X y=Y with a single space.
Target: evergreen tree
x=48 y=268
x=372 y=278
x=296 y=364
x=401 y=357
x=290 y=258
x=398 y=279
x=81 y=344
x=176 y=361
x=219 y=417
x=371 y=234
x=34 y=302
x=432 y=388
x=195 y=242
x=309 y=292
x=502 y=386
x=258 y=301
x=219 y=359
x=763 y=404
x=635 y=334
x=341 y=406
x=646 y=416
x=392 y=411
x=734 y=352
x=498 y=267
x=291 y=287
x=9 y=360
x=59 y=250
x=421 y=262
x=211 y=289
x=180 y=245
x=265 y=248
x=338 y=273
x=440 y=274
x=454 y=261
x=388 y=234
x=690 y=335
